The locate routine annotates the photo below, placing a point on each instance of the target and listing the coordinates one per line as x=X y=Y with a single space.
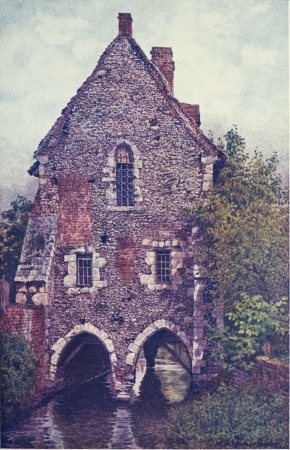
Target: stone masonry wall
x=123 y=102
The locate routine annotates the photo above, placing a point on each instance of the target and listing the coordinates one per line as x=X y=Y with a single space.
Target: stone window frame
x=176 y=263
x=70 y=280
x=109 y=172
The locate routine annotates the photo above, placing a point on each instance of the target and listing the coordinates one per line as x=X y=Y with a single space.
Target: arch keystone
x=78 y=328
x=89 y=328
x=149 y=330
x=162 y=323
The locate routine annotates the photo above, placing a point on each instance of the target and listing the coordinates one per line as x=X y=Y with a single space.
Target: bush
x=17 y=374
x=231 y=419
x=250 y=327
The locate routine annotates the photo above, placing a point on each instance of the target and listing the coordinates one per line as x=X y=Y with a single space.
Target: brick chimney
x=162 y=58
x=192 y=111
x=125 y=24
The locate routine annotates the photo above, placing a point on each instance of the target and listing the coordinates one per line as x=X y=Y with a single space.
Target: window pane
x=84 y=270
x=124 y=176
x=163 y=266
x=124 y=182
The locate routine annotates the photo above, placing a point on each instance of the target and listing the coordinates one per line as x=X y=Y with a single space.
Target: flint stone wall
x=122 y=102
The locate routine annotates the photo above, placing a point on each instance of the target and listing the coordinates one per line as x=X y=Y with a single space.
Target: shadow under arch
x=152 y=330
x=169 y=341
x=83 y=354
x=164 y=343
x=83 y=359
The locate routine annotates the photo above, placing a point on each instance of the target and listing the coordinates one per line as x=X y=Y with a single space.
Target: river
x=87 y=417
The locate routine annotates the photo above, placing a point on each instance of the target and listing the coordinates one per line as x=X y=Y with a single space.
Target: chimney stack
x=162 y=58
x=192 y=111
x=125 y=24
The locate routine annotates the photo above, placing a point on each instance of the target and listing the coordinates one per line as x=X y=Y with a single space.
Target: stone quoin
x=108 y=257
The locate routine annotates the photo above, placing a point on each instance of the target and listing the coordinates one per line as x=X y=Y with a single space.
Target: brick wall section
x=30 y=325
x=76 y=216
x=272 y=375
x=162 y=58
x=192 y=111
x=125 y=24
x=125 y=257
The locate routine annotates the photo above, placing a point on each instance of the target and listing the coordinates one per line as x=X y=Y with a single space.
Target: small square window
x=84 y=270
x=163 y=269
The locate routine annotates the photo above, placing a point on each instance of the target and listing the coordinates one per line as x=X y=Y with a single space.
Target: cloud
x=230 y=58
x=259 y=8
x=262 y=58
x=57 y=30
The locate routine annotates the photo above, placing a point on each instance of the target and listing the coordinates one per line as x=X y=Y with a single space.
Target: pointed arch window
x=124 y=176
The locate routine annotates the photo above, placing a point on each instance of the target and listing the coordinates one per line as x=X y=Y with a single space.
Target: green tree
x=250 y=327
x=245 y=246
x=17 y=374
x=12 y=231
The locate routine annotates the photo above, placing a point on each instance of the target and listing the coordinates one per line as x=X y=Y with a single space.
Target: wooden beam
x=177 y=357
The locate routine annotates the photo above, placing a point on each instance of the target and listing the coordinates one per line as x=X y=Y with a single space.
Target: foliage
x=12 y=232
x=245 y=249
x=231 y=419
x=245 y=220
x=17 y=374
x=250 y=324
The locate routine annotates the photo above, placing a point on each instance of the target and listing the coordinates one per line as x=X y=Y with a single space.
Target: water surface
x=87 y=417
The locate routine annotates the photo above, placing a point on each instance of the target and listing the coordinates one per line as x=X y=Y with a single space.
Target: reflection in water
x=73 y=419
x=175 y=381
x=141 y=367
x=150 y=409
x=86 y=413
x=89 y=418
x=122 y=431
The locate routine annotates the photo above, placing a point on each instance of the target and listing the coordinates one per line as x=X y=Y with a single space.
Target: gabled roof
x=57 y=132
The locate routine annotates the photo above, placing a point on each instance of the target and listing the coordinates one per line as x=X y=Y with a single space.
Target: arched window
x=124 y=176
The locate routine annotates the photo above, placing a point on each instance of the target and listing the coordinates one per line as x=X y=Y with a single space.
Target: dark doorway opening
x=162 y=371
x=84 y=359
x=166 y=343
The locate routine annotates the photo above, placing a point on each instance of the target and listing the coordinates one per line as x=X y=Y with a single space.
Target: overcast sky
x=230 y=56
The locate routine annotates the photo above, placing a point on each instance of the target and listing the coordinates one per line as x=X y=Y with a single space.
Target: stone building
x=108 y=256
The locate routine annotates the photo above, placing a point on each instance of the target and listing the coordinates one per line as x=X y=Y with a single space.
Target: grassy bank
x=228 y=418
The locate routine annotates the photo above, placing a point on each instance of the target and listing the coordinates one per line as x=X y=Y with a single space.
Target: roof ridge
x=188 y=122
x=156 y=75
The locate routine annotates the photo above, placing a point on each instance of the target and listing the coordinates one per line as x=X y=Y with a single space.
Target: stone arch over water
x=85 y=329
x=149 y=331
